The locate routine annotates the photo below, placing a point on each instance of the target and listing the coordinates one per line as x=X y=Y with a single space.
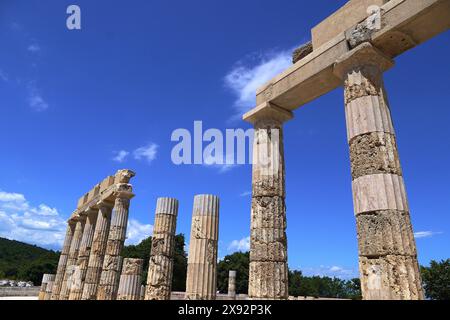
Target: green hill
x=22 y=261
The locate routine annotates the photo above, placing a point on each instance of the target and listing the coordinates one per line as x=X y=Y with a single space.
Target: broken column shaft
x=201 y=282
x=130 y=280
x=160 y=269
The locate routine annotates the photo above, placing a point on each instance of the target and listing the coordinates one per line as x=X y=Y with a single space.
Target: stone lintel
x=362 y=55
x=405 y=24
x=268 y=111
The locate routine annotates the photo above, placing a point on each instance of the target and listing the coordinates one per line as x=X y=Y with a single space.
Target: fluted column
x=112 y=264
x=387 y=251
x=79 y=276
x=98 y=250
x=45 y=279
x=73 y=257
x=130 y=280
x=160 y=269
x=61 y=270
x=49 y=289
x=201 y=282
x=232 y=284
x=268 y=272
x=142 y=292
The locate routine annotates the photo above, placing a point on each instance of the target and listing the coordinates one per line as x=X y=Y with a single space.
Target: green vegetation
x=436 y=280
x=22 y=261
x=299 y=285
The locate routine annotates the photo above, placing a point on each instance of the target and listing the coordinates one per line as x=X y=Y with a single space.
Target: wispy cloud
x=120 y=156
x=330 y=271
x=252 y=72
x=240 y=245
x=35 y=99
x=426 y=234
x=147 y=152
x=136 y=231
x=34 y=48
x=3 y=76
x=21 y=221
x=214 y=163
x=245 y=194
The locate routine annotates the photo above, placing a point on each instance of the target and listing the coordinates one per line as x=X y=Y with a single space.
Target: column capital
x=268 y=112
x=124 y=176
x=363 y=55
x=105 y=204
x=123 y=191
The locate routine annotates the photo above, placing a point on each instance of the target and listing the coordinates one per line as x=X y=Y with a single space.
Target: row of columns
x=90 y=263
x=94 y=269
x=387 y=251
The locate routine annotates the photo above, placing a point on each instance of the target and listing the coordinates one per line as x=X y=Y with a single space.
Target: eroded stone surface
x=373 y=153
x=264 y=286
x=302 y=52
x=386 y=232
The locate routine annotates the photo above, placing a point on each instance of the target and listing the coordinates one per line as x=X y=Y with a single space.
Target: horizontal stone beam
x=405 y=24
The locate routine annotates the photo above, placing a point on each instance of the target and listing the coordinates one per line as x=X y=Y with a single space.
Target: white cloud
x=247 y=76
x=120 y=156
x=210 y=162
x=19 y=220
x=147 y=152
x=240 y=245
x=245 y=194
x=330 y=271
x=35 y=99
x=136 y=232
x=425 y=234
x=3 y=76
x=34 y=48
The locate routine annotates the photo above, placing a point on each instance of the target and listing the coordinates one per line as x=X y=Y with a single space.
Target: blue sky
x=75 y=106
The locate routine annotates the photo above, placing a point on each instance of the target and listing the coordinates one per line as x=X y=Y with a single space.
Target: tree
x=239 y=262
x=436 y=280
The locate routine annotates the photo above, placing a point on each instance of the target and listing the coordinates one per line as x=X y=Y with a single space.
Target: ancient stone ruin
x=350 y=49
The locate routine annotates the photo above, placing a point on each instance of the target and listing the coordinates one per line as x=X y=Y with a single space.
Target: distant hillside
x=22 y=261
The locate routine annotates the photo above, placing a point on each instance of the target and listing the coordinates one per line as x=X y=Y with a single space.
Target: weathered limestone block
x=391 y=277
x=48 y=290
x=232 y=284
x=98 y=250
x=130 y=280
x=373 y=153
x=268 y=159
x=61 y=270
x=387 y=251
x=271 y=287
x=201 y=282
x=268 y=250
x=268 y=212
x=76 y=288
x=142 y=292
x=109 y=279
x=159 y=278
x=385 y=232
x=160 y=270
x=302 y=52
x=72 y=259
x=45 y=279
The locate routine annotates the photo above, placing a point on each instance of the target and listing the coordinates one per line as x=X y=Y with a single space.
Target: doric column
x=160 y=269
x=268 y=273
x=57 y=284
x=76 y=287
x=109 y=279
x=98 y=250
x=232 y=284
x=201 y=282
x=387 y=251
x=130 y=280
x=49 y=289
x=73 y=257
x=45 y=279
